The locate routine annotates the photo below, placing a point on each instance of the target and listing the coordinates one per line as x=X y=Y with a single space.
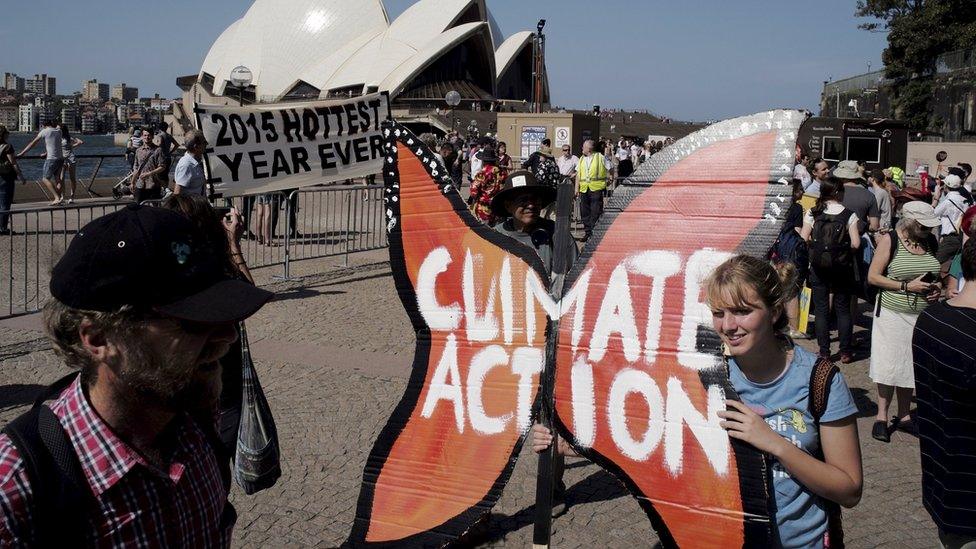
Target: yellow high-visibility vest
x=595 y=178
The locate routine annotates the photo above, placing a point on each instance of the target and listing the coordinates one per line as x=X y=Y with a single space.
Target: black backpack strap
x=893 y=242
x=845 y=216
x=820 y=380
x=59 y=489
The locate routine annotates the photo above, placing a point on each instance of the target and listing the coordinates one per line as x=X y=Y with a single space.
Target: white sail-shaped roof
x=279 y=39
x=397 y=80
x=510 y=49
x=215 y=57
x=351 y=45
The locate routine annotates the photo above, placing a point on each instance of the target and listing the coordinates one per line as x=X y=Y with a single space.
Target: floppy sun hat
x=847 y=169
x=921 y=212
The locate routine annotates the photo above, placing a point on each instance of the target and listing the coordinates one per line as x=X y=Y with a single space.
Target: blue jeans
x=7 y=182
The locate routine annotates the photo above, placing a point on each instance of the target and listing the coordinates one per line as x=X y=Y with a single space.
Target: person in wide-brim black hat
x=517 y=183
x=520 y=204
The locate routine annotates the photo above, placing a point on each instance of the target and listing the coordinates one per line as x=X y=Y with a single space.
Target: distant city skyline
x=708 y=61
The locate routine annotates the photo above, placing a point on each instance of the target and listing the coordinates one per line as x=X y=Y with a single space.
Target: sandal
x=880 y=431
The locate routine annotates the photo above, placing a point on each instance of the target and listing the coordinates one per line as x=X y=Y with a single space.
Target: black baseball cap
x=151 y=259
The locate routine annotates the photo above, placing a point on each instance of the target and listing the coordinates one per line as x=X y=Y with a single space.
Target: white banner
x=263 y=148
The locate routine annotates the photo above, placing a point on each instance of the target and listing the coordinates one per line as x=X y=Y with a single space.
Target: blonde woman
x=816 y=462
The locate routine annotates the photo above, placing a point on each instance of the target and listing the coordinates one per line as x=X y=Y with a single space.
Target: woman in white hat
x=906 y=271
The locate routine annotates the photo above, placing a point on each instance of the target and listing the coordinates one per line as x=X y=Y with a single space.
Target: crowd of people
x=483 y=163
x=146 y=301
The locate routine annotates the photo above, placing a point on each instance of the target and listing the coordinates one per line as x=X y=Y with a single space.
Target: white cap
x=952 y=181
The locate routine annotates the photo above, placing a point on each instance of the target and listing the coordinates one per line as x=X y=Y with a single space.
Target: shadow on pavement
x=600 y=486
x=302 y=293
x=865 y=406
x=18 y=394
x=341 y=281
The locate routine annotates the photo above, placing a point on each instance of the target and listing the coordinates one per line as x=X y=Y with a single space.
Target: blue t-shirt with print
x=800 y=515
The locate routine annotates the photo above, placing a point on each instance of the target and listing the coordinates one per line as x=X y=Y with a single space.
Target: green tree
x=919 y=31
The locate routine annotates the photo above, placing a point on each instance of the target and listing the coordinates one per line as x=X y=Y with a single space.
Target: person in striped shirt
x=944 y=353
x=908 y=280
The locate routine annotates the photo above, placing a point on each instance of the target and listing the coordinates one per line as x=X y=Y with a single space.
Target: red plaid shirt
x=139 y=505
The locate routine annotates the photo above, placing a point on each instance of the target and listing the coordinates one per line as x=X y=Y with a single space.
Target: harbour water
x=113 y=167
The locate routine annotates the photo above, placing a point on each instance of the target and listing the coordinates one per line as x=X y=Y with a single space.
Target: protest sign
x=449 y=447
x=639 y=377
x=269 y=147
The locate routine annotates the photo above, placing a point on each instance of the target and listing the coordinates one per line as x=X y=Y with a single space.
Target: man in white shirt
x=189 y=174
x=800 y=170
x=567 y=162
x=820 y=170
x=625 y=166
x=53 y=160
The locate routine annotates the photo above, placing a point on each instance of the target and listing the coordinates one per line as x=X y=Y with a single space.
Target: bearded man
x=124 y=452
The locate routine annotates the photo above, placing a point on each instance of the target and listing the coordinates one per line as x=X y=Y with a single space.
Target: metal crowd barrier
x=40 y=237
x=328 y=222
x=313 y=223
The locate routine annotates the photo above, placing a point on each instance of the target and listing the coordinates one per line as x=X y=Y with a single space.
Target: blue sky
x=691 y=60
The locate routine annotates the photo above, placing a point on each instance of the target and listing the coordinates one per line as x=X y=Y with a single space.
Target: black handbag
x=257 y=464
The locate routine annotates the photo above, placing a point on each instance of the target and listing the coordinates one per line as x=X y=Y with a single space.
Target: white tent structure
x=329 y=48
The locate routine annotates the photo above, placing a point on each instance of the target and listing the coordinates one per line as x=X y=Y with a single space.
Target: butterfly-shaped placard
x=638 y=376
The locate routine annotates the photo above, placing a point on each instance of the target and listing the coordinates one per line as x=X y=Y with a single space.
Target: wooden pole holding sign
x=560 y=266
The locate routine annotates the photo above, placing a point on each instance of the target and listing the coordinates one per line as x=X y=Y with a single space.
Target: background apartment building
x=9 y=116
x=27 y=121
x=41 y=84
x=125 y=94
x=14 y=83
x=92 y=90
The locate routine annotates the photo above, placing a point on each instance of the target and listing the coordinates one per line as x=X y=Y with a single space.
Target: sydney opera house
x=341 y=48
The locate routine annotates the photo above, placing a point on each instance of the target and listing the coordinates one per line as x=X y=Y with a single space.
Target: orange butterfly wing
x=639 y=376
x=447 y=451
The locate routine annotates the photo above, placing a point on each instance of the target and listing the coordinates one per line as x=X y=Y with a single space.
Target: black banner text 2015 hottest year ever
x=265 y=148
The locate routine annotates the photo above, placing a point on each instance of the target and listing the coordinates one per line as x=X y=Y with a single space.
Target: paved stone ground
x=333 y=353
